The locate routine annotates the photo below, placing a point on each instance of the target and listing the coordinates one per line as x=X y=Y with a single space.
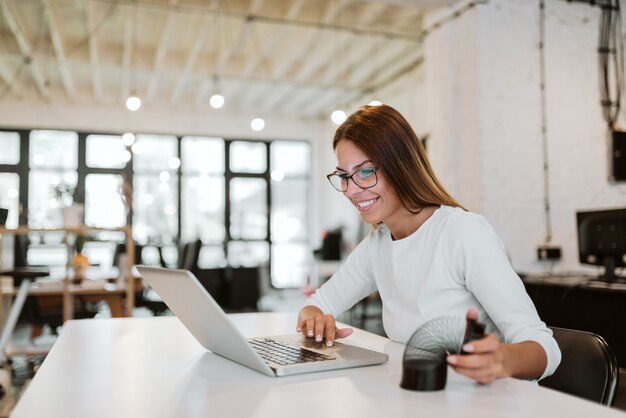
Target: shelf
x=70 y=290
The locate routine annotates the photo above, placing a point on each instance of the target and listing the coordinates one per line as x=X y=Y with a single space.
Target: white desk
x=152 y=367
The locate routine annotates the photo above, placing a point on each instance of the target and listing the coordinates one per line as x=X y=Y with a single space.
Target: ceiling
x=299 y=58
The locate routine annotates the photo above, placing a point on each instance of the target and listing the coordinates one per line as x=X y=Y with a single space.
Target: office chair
x=188 y=256
x=588 y=367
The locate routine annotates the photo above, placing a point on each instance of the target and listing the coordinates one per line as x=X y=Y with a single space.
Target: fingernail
x=310 y=334
x=329 y=343
x=318 y=338
x=299 y=329
x=468 y=347
x=452 y=359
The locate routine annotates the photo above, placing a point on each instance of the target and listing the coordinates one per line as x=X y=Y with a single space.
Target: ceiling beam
x=331 y=12
x=200 y=37
x=96 y=79
x=161 y=51
x=277 y=36
x=25 y=50
x=127 y=51
x=243 y=36
x=5 y=75
x=57 y=43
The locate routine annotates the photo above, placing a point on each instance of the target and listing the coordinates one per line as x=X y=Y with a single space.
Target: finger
x=330 y=331
x=343 y=332
x=484 y=345
x=472 y=313
x=310 y=326
x=471 y=361
x=319 y=327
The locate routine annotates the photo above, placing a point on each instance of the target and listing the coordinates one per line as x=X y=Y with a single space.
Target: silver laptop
x=273 y=356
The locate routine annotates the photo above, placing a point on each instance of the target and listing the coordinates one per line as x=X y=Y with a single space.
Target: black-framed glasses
x=364 y=178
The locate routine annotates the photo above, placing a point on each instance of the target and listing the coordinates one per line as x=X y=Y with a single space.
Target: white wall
x=483 y=100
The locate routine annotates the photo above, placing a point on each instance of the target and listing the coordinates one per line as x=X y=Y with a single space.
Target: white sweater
x=453 y=261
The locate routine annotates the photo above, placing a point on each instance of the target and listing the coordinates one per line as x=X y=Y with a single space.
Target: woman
x=427 y=256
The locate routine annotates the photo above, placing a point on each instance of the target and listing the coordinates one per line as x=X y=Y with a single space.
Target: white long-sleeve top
x=452 y=262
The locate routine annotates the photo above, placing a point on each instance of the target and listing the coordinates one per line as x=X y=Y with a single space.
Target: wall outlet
x=545 y=252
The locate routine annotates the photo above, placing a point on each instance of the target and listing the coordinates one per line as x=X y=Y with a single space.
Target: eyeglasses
x=364 y=178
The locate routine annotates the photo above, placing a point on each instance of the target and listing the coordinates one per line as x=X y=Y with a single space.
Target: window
x=203 y=197
x=246 y=200
x=9 y=148
x=155 y=188
x=53 y=161
x=290 y=167
x=9 y=197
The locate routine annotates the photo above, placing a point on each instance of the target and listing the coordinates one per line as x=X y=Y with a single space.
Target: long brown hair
x=388 y=139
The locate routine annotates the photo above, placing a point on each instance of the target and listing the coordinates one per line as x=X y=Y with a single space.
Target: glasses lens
x=365 y=177
x=337 y=182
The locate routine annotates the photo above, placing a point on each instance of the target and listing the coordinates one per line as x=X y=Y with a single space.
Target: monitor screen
x=602 y=240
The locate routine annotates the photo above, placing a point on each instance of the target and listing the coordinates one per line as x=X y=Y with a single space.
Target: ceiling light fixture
x=257 y=124
x=216 y=101
x=133 y=103
x=128 y=139
x=338 y=117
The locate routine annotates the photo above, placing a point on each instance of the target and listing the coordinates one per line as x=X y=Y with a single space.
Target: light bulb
x=338 y=117
x=133 y=103
x=128 y=139
x=216 y=101
x=257 y=124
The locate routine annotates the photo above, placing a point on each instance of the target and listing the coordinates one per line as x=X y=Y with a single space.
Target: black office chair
x=588 y=367
x=188 y=256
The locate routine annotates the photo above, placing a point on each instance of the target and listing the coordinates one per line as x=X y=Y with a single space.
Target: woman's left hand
x=485 y=361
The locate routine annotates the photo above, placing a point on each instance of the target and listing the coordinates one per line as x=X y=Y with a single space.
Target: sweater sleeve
x=490 y=277
x=351 y=283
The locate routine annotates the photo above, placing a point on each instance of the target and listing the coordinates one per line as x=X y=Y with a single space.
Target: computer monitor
x=602 y=240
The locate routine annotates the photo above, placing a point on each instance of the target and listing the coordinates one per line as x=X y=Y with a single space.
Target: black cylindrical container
x=424 y=375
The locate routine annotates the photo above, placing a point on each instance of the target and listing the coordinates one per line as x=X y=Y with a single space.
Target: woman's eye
x=366 y=172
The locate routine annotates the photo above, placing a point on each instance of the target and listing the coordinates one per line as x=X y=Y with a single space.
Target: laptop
x=273 y=356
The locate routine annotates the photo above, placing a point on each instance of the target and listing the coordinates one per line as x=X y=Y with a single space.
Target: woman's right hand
x=314 y=323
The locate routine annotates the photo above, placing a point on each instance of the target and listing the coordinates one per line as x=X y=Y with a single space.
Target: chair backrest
x=189 y=255
x=588 y=367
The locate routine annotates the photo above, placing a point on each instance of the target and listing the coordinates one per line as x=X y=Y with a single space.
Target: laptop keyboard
x=284 y=354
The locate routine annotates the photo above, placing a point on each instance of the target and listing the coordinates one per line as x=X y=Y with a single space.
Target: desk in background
x=153 y=367
x=581 y=302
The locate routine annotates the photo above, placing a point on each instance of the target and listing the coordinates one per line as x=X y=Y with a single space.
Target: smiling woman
x=427 y=257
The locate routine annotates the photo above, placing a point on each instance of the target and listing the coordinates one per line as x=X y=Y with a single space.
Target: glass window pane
x=248 y=157
x=103 y=201
x=290 y=210
x=202 y=155
x=211 y=257
x=290 y=265
x=247 y=254
x=289 y=158
x=9 y=148
x=155 y=153
x=203 y=209
x=53 y=149
x=100 y=253
x=43 y=205
x=106 y=151
x=248 y=200
x=48 y=255
x=10 y=197
x=155 y=211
